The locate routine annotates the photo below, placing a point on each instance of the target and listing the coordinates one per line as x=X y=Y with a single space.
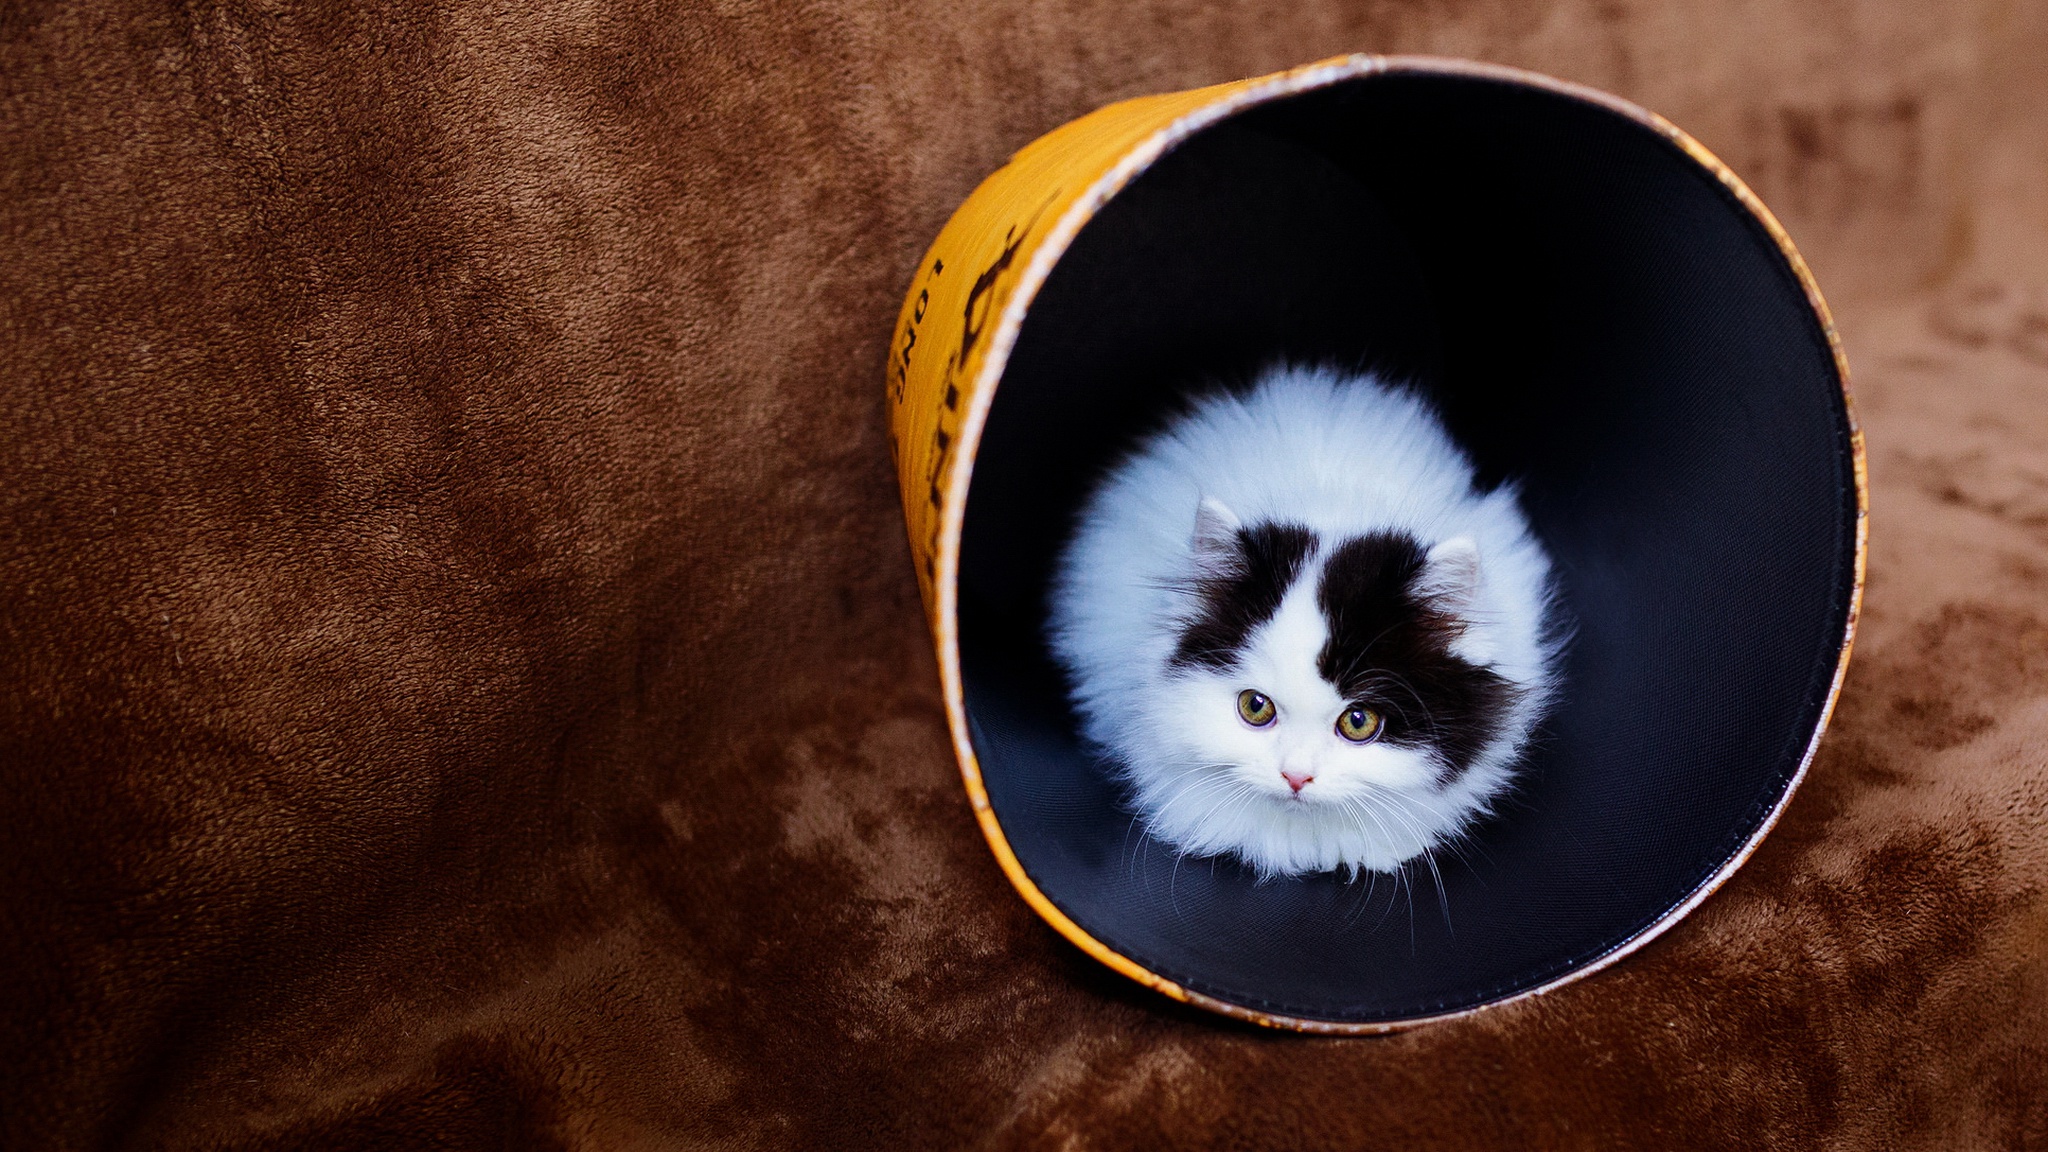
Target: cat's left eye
x=1256 y=708
x=1359 y=725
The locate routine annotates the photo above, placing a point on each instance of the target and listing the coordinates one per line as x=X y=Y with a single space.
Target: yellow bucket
x=1601 y=283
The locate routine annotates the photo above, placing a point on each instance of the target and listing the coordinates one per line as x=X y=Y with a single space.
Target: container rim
x=942 y=588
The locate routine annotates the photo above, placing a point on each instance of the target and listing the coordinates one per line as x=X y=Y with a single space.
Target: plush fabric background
x=464 y=686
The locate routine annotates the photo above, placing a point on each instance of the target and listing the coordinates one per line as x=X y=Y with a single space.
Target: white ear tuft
x=1450 y=573
x=1215 y=540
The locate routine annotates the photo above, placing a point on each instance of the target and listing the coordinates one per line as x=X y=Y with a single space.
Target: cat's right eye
x=1360 y=725
x=1256 y=708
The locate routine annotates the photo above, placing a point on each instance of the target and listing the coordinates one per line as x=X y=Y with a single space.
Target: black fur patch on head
x=1390 y=648
x=1244 y=594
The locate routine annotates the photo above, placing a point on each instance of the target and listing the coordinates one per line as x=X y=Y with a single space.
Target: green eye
x=1360 y=725
x=1256 y=708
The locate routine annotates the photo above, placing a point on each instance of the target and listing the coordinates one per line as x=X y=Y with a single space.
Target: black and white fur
x=1316 y=539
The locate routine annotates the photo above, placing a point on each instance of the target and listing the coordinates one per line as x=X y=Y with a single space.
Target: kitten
x=1300 y=634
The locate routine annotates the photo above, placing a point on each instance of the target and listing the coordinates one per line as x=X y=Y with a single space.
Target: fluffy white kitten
x=1300 y=633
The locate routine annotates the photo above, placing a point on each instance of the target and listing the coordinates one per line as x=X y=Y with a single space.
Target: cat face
x=1328 y=678
x=1284 y=733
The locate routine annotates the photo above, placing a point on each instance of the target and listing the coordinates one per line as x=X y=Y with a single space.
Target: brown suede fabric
x=462 y=676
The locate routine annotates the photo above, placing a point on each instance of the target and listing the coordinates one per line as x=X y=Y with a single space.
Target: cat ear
x=1450 y=573
x=1215 y=542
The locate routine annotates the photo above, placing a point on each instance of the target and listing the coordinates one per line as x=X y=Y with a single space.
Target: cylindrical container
x=1601 y=311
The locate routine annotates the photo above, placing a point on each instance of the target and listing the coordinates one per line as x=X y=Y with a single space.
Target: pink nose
x=1295 y=779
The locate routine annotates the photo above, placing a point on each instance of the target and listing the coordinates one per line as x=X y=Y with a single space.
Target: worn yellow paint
x=961 y=317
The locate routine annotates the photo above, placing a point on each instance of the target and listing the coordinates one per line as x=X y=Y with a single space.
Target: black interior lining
x=1601 y=322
